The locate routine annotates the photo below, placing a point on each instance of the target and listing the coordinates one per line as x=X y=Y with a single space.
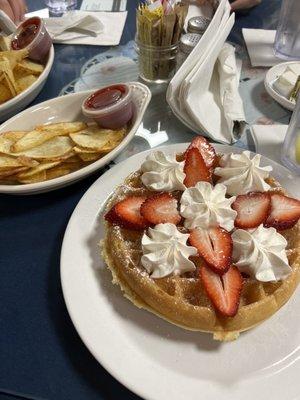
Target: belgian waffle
x=182 y=300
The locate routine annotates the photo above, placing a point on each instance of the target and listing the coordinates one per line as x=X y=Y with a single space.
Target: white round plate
x=152 y=357
x=64 y=109
x=271 y=76
x=18 y=103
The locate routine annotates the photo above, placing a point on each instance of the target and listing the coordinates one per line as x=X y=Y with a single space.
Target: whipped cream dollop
x=261 y=254
x=162 y=172
x=165 y=251
x=241 y=174
x=205 y=205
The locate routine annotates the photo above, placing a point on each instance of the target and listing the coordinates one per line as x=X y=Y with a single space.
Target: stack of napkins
x=204 y=92
x=83 y=27
x=260 y=46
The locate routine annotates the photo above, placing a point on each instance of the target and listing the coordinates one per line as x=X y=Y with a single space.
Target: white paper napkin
x=229 y=74
x=89 y=28
x=213 y=100
x=176 y=87
x=73 y=25
x=259 y=44
x=269 y=139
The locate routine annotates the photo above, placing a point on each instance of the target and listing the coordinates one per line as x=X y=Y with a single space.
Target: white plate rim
x=268 y=81
x=56 y=183
x=136 y=387
x=17 y=99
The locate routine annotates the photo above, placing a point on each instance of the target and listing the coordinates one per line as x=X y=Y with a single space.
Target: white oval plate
x=64 y=109
x=18 y=103
x=152 y=357
x=271 y=76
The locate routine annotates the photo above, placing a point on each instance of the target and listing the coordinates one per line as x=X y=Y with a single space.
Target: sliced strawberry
x=206 y=149
x=215 y=246
x=195 y=168
x=285 y=212
x=161 y=208
x=224 y=291
x=126 y=213
x=252 y=209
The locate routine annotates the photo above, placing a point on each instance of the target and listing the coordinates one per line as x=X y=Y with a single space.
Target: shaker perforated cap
x=188 y=41
x=198 y=24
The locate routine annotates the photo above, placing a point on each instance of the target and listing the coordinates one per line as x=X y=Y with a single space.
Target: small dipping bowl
x=32 y=35
x=111 y=107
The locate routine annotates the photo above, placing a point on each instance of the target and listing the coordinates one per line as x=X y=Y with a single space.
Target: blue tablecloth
x=41 y=355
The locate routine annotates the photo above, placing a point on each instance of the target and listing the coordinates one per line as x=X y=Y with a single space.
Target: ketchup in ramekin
x=33 y=35
x=111 y=107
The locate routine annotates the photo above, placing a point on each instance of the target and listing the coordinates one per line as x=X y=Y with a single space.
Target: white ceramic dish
x=18 y=103
x=68 y=108
x=156 y=359
x=271 y=76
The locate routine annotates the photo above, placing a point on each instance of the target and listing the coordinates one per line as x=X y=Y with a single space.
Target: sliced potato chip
x=5 y=93
x=39 y=177
x=24 y=82
x=34 y=139
x=7 y=162
x=74 y=159
x=58 y=171
x=57 y=147
x=86 y=157
x=5 y=43
x=6 y=75
x=27 y=161
x=10 y=180
x=97 y=139
x=13 y=135
x=14 y=56
x=12 y=171
x=5 y=144
x=63 y=127
x=28 y=67
x=41 y=167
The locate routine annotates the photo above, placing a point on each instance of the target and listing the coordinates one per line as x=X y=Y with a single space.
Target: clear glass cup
x=287 y=40
x=290 y=154
x=58 y=7
x=157 y=64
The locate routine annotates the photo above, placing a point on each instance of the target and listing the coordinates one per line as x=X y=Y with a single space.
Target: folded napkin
x=89 y=28
x=213 y=100
x=269 y=139
x=259 y=44
x=73 y=25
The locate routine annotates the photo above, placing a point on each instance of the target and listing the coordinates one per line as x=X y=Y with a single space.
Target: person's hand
x=15 y=9
x=242 y=4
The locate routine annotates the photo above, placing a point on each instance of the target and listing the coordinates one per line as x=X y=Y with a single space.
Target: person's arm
x=15 y=9
x=242 y=4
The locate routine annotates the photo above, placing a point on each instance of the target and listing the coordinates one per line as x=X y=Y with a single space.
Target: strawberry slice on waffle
x=160 y=209
x=223 y=291
x=195 y=168
x=207 y=151
x=126 y=213
x=252 y=209
x=285 y=212
x=215 y=246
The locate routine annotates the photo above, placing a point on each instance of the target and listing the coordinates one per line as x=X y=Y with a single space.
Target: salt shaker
x=198 y=24
x=187 y=43
x=290 y=154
